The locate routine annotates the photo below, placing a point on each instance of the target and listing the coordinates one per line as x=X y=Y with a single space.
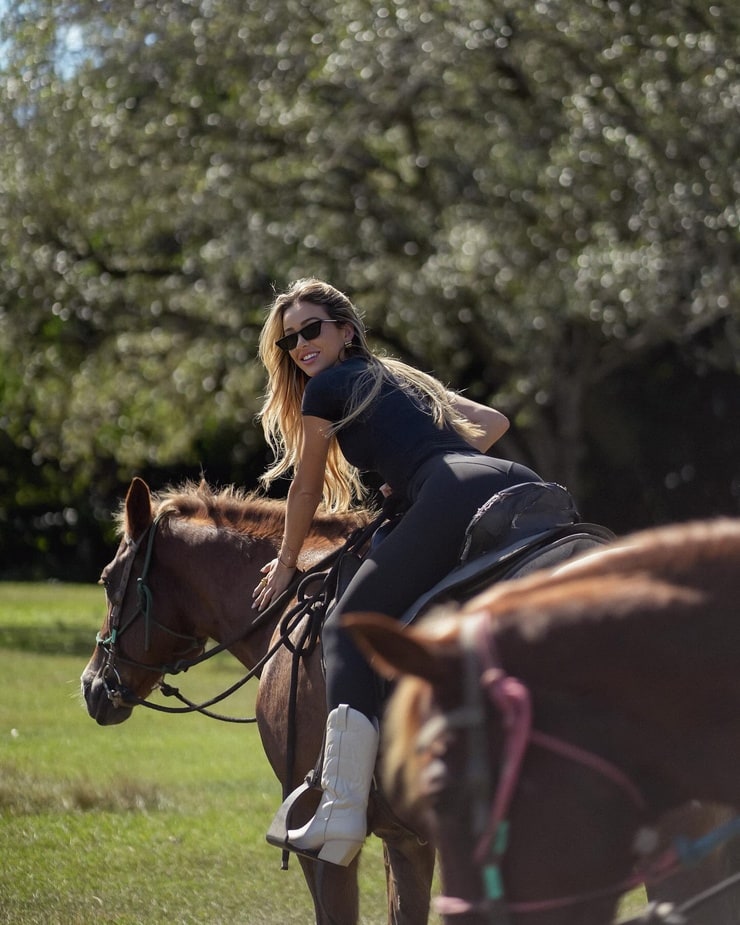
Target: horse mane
x=243 y=511
x=401 y=767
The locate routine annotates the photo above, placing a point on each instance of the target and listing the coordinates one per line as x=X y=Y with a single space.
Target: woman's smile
x=317 y=347
x=309 y=356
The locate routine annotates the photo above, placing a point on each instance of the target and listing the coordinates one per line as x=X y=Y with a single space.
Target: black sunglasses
x=310 y=332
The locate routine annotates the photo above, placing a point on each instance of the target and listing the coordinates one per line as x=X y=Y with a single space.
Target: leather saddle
x=519 y=530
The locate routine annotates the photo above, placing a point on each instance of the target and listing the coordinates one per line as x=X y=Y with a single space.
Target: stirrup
x=277 y=834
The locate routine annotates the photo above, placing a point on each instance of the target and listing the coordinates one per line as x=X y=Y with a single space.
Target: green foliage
x=532 y=199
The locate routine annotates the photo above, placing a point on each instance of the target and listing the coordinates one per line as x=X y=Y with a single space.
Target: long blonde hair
x=286 y=382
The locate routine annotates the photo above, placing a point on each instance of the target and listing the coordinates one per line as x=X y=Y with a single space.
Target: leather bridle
x=117 y=692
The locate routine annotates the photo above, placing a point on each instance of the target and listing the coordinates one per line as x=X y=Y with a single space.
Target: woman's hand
x=276 y=578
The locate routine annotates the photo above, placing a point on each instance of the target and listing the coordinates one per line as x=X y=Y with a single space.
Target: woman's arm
x=304 y=496
x=492 y=423
x=306 y=488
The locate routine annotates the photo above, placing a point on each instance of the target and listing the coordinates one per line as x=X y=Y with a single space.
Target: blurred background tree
x=538 y=201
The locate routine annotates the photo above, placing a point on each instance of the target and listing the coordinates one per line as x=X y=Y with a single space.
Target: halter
x=120 y=695
x=117 y=693
x=490 y=824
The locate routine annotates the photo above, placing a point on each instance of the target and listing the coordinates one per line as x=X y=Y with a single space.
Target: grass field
x=160 y=820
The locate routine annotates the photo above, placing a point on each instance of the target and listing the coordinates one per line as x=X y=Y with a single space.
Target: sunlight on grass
x=632 y=904
x=160 y=820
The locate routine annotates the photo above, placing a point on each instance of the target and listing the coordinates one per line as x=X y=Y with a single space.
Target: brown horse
x=198 y=555
x=569 y=710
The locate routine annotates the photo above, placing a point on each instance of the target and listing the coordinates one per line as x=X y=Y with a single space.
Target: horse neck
x=213 y=573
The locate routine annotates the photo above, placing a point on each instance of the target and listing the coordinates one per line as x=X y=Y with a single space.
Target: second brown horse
x=589 y=702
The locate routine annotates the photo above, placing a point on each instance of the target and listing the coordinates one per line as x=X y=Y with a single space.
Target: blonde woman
x=333 y=410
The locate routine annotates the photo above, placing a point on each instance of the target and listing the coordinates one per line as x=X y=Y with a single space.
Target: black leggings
x=425 y=545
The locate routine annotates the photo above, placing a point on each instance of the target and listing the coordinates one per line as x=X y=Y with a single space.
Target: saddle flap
x=527 y=554
x=516 y=512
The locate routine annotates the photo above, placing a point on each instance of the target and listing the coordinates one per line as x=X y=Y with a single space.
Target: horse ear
x=390 y=649
x=138 y=508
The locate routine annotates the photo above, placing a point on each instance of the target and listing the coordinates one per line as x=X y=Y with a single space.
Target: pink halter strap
x=512 y=700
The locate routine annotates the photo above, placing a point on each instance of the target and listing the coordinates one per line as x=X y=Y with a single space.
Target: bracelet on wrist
x=284 y=563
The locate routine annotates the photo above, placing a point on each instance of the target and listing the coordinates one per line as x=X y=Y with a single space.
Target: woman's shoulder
x=331 y=388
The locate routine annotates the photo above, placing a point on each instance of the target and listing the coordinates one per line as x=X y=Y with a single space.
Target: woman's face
x=323 y=350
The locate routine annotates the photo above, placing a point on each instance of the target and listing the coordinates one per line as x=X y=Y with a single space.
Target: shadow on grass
x=55 y=639
x=22 y=794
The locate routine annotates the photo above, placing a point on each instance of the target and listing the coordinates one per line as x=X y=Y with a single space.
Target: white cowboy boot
x=338 y=829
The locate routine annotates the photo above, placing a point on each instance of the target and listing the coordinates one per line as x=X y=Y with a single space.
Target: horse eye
x=104 y=581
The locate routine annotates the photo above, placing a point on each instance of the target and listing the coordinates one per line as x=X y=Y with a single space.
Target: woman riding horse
x=333 y=409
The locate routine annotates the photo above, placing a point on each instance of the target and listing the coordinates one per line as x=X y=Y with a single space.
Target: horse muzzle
x=105 y=697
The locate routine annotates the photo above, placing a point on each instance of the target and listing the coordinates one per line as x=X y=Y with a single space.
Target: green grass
x=159 y=820
x=50 y=618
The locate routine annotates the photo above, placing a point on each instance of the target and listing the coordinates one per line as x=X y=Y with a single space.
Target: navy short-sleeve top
x=392 y=437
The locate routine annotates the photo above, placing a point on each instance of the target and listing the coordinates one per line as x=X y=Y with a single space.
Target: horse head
x=512 y=837
x=134 y=648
